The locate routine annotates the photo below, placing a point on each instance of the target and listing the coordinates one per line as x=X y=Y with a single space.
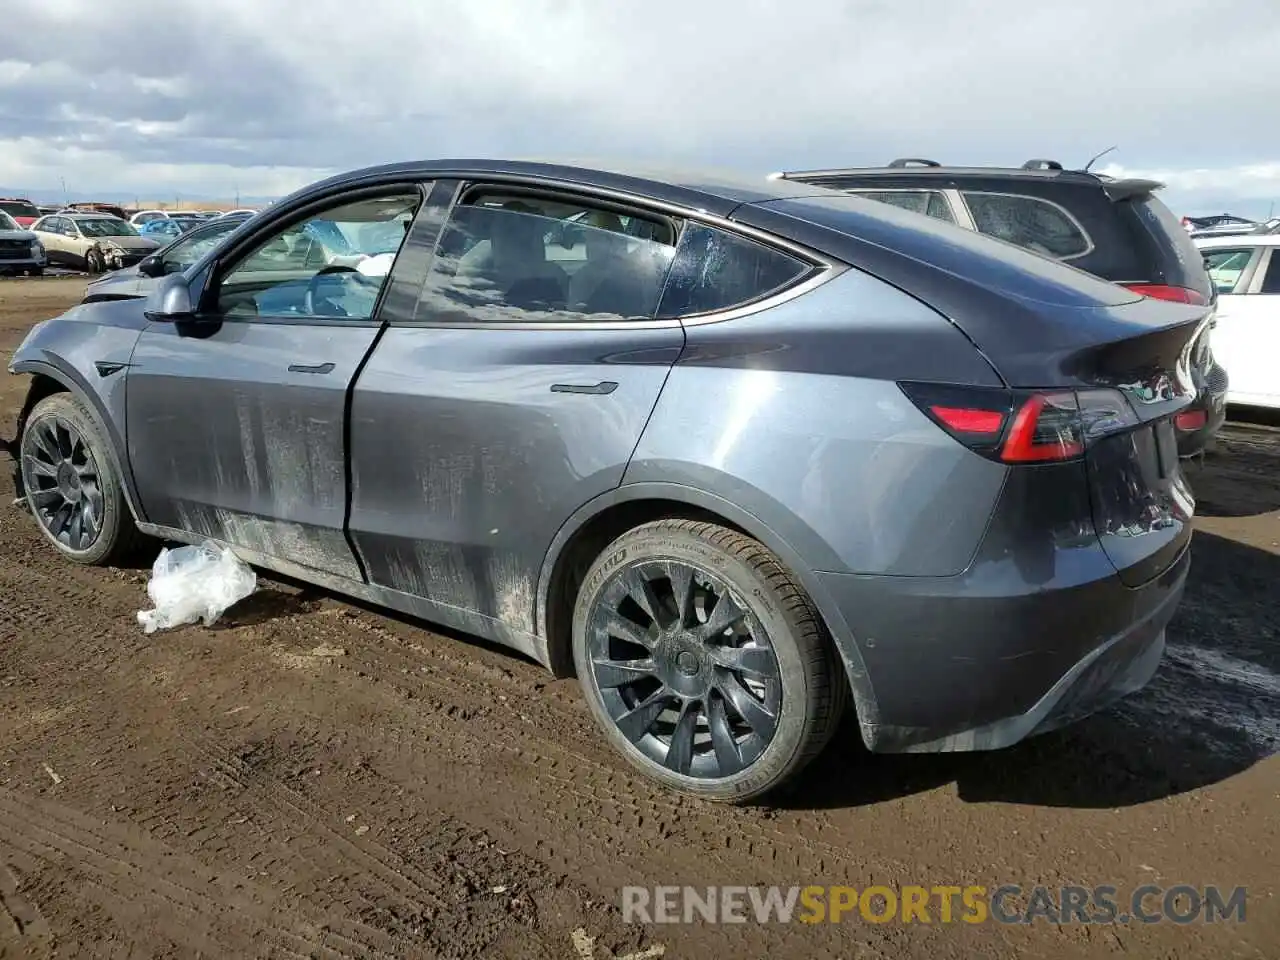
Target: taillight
x=1190 y=420
x=1023 y=426
x=1164 y=291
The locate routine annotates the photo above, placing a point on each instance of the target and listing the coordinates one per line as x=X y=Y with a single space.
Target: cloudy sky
x=160 y=98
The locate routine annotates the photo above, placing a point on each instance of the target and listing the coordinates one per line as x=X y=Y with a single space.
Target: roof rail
x=1042 y=165
x=913 y=161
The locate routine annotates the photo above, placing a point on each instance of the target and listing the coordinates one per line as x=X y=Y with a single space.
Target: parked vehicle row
x=738 y=454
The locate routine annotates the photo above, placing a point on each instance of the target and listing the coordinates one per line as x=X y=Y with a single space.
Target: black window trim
x=822 y=268
x=220 y=262
x=1071 y=217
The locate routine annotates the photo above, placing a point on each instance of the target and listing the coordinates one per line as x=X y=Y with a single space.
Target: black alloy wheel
x=685 y=671
x=703 y=661
x=72 y=485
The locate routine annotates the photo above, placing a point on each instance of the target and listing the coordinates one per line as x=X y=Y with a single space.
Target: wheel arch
x=592 y=526
x=47 y=379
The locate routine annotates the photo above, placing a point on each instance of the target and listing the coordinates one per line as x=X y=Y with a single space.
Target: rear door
x=237 y=424
x=513 y=390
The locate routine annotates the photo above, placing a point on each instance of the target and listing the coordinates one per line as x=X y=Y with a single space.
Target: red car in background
x=23 y=211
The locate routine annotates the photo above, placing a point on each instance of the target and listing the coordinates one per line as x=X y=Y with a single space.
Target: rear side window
x=517 y=257
x=1271 y=282
x=1029 y=222
x=717 y=270
x=929 y=202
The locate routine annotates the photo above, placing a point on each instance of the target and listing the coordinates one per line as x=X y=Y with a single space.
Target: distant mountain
x=123 y=198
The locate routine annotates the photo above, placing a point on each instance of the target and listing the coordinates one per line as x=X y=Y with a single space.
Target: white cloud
x=261 y=91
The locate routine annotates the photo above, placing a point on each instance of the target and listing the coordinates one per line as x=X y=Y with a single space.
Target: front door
x=236 y=423
x=511 y=393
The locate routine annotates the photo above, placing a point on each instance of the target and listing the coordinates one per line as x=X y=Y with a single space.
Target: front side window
x=1226 y=266
x=332 y=264
x=512 y=257
x=929 y=202
x=716 y=270
x=1028 y=222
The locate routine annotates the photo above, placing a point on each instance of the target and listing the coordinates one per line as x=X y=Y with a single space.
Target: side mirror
x=170 y=301
x=151 y=267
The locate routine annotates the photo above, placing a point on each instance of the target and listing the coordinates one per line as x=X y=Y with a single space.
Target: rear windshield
x=1179 y=261
x=19 y=208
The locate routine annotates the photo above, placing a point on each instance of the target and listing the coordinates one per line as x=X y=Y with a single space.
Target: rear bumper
x=983 y=660
x=1212 y=400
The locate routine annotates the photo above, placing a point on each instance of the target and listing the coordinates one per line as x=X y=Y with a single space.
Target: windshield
x=7 y=222
x=106 y=227
x=19 y=208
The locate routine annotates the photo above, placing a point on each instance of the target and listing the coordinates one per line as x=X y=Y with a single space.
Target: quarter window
x=1028 y=222
x=514 y=257
x=929 y=202
x=717 y=270
x=333 y=264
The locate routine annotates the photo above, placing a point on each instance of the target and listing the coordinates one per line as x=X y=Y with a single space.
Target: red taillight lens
x=987 y=423
x=1191 y=420
x=1017 y=426
x=1162 y=291
x=1046 y=427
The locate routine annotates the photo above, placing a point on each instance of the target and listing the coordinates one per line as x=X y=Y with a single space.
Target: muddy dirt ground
x=311 y=778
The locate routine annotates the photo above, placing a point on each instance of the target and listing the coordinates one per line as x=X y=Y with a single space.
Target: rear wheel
x=71 y=484
x=705 y=663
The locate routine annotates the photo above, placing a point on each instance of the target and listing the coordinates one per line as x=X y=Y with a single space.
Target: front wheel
x=94 y=262
x=705 y=663
x=71 y=484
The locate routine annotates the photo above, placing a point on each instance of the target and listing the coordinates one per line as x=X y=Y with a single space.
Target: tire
x=749 y=747
x=36 y=272
x=94 y=262
x=55 y=425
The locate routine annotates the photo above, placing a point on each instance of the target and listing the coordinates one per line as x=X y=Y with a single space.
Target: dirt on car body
x=313 y=778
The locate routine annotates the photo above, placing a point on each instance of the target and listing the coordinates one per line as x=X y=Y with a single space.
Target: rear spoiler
x=1118 y=190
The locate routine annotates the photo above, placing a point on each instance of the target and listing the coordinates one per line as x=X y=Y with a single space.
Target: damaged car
x=739 y=454
x=92 y=242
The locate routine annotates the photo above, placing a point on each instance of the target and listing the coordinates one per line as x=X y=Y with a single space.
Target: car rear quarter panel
x=793 y=413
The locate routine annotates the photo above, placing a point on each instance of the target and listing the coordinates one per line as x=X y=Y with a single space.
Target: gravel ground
x=313 y=778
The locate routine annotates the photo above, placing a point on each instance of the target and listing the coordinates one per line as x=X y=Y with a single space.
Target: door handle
x=599 y=389
x=317 y=368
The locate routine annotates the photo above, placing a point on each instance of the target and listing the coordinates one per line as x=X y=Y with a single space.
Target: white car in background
x=1245 y=270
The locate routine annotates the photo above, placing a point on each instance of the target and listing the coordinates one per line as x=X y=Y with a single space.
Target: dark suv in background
x=1115 y=229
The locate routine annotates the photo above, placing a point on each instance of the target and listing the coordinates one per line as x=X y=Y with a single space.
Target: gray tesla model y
x=738 y=454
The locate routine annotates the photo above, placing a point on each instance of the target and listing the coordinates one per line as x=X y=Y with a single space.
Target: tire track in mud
x=133 y=876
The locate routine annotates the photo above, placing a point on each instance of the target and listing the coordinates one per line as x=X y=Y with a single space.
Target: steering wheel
x=313 y=286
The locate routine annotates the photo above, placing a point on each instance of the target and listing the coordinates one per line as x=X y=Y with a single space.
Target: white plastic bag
x=195 y=583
